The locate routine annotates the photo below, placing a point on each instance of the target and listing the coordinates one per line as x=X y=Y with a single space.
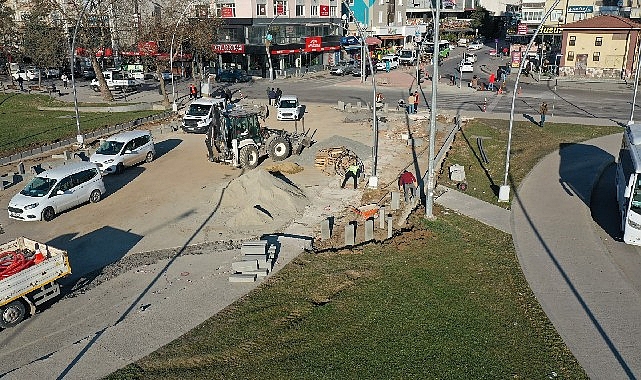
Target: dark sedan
x=233 y=76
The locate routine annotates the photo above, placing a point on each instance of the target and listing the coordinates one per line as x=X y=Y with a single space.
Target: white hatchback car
x=123 y=150
x=57 y=190
x=465 y=67
x=288 y=108
x=475 y=46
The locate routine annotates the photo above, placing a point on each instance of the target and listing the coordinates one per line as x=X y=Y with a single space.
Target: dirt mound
x=258 y=198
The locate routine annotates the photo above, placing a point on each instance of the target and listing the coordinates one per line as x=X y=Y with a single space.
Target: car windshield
x=110 y=148
x=406 y=54
x=287 y=104
x=38 y=187
x=198 y=110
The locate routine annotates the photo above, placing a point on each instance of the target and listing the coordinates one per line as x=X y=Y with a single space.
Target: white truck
x=408 y=56
x=28 y=274
x=116 y=80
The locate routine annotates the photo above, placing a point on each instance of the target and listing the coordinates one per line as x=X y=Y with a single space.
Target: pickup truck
x=28 y=274
x=116 y=80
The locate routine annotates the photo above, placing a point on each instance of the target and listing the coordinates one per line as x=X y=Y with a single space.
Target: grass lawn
x=446 y=300
x=22 y=126
x=529 y=145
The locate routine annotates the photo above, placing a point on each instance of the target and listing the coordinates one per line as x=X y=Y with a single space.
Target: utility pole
x=429 y=199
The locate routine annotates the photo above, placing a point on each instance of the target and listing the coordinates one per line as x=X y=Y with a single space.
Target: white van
x=200 y=114
x=123 y=150
x=288 y=108
x=392 y=59
x=57 y=190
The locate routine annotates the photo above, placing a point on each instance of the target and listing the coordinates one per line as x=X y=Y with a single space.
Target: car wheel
x=279 y=148
x=11 y=314
x=149 y=157
x=120 y=168
x=95 y=196
x=249 y=157
x=48 y=214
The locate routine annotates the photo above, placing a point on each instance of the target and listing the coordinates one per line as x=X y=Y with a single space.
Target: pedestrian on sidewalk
x=271 y=96
x=543 y=110
x=417 y=98
x=407 y=182
x=410 y=103
x=65 y=80
x=492 y=80
x=279 y=93
x=353 y=171
x=193 y=93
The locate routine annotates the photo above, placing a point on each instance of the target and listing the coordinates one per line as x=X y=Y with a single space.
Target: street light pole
x=636 y=83
x=174 y=106
x=268 y=42
x=429 y=198
x=79 y=137
x=504 y=190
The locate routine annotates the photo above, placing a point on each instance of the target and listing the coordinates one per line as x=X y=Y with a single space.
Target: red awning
x=373 y=41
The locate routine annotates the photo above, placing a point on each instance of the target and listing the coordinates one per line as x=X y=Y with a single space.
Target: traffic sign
x=521 y=29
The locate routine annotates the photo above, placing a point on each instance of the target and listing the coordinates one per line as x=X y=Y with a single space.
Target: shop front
x=231 y=56
x=315 y=54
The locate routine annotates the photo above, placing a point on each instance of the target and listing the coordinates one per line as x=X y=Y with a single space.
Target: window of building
x=380 y=17
x=351 y=3
x=596 y=55
x=381 y=2
x=261 y=9
x=399 y=16
x=202 y=11
x=598 y=41
x=314 y=11
x=332 y=11
x=300 y=10
x=572 y=41
x=570 y=56
x=280 y=8
x=400 y=2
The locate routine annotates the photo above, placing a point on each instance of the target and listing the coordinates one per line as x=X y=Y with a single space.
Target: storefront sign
x=580 y=9
x=228 y=48
x=148 y=48
x=521 y=29
x=227 y=12
x=516 y=58
x=550 y=30
x=313 y=43
x=349 y=40
x=324 y=10
x=280 y=9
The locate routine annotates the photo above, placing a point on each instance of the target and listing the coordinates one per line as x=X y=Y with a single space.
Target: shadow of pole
x=160 y=274
x=573 y=289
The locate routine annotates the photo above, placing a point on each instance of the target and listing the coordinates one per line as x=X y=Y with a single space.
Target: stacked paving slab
x=258 y=258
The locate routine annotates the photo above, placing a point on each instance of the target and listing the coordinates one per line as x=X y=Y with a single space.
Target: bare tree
x=8 y=32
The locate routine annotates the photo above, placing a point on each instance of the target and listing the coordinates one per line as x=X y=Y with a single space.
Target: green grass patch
x=446 y=300
x=529 y=145
x=24 y=126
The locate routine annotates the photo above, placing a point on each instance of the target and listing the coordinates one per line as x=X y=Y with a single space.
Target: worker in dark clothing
x=210 y=139
x=353 y=171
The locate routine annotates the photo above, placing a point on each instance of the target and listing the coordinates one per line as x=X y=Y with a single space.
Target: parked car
x=56 y=190
x=475 y=46
x=469 y=57
x=88 y=73
x=233 y=76
x=343 y=68
x=139 y=75
x=123 y=150
x=465 y=67
x=33 y=73
x=166 y=75
x=52 y=72
x=288 y=108
x=21 y=73
x=392 y=59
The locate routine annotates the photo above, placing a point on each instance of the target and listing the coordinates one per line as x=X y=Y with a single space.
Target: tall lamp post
x=79 y=137
x=268 y=42
x=174 y=106
x=373 y=181
x=429 y=197
x=636 y=83
x=504 y=190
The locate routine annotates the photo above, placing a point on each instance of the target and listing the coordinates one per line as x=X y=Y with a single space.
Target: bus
x=628 y=184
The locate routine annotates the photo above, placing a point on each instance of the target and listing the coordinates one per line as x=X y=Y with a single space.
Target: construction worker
x=353 y=171
x=193 y=92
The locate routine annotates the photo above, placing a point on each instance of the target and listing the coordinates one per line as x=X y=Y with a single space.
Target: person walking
x=492 y=80
x=279 y=93
x=20 y=80
x=64 y=79
x=272 y=97
x=193 y=93
x=543 y=110
x=227 y=95
x=417 y=98
x=410 y=103
x=407 y=182
x=353 y=171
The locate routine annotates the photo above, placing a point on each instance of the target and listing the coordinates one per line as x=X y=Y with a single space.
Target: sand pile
x=258 y=199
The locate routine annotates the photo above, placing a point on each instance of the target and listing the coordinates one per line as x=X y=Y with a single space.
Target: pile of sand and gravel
x=259 y=199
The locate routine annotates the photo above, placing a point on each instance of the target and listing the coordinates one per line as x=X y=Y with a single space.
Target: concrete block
x=418 y=142
x=359 y=104
x=381 y=217
x=21 y=169
x=265 y=264
x=396 y=200
x=254 y=256
x=254 y=247
x=389 y=227
x=244 y=266
x=242 y=277
x=350 y=234
x=325 y=231
x=258 y=272
x=369 y=229
x=341 y=105
x=67 y=155
x=457 y=173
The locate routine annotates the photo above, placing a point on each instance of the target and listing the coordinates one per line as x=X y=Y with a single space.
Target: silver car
x=343 y=68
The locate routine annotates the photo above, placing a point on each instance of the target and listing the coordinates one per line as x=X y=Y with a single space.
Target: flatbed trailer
x=23 y=290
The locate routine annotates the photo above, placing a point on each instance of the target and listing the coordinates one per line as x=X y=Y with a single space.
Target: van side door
x=82 y=182
x=63 y=196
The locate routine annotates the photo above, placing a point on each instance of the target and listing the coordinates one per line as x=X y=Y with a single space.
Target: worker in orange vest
x=193 y=92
